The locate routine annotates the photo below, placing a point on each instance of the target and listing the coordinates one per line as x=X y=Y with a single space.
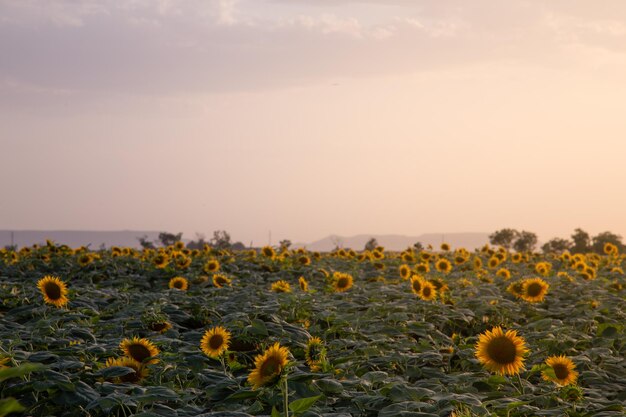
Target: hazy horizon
x=310 y=117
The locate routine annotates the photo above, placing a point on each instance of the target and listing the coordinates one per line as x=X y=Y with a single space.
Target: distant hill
x=468 y=241
x=75 y=238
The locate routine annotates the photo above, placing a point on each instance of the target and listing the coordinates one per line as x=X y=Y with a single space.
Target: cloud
x=175 y=47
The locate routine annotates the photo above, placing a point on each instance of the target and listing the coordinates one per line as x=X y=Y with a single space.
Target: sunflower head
x=561 y=370
x=85 y=259
x=443 y=265
x=140 y=350
x=160 y=326
x=219 y=280
x=314 y=353
x=342 y=281
x=422 y=268
x=515 y=288
x=427 y=292
x=54 y=291
x=212 y=265
x=139 y=370
x=215 y=342
x=416 y=284
x=405 y=271
x=304 y=260
x=179 y=283
x=161 y=260
x=445 y=247
x=281 y=286
x=500 y=352
x=534 y=290
x=304 y=285
x=268 y=252
x=504 y=273
x=268 y=366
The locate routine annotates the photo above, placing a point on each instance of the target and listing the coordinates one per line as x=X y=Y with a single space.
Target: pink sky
x=313 y=117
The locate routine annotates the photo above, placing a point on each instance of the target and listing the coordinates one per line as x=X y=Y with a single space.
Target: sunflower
x=504 y=273
x=160 y=326
x=416 y=284
x=443 y=265
x=281 y=286
x=139 y=349
x=405 y=271
x=610 y=249
x=304 y=285
x=427 y=292
x=563 y=370
x=493 y=262
x=161 y=260
x=422 y=267
x=139 y=371
x=212 y=265
x=515 y=288
x=220 y=280
x=534 y=289
x=268 y=252
x=183 y=261
x=478 y=263
x=215 y=341
x=4 y=361
x=54 y=291
x=85 y=259
x=304 y=260
x=314 y=353
x=268 y=366
x=500 y=352
x=445 y=247
x=179 y=283
x=342 y=282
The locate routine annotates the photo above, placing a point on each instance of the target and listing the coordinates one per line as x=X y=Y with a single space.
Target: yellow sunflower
x=212 y=265
x=314 y=353
x=534 y=290
x=504 y=273
x=215 y=341
x=342 y=282
x=54 y=291
x=139 y=350
x=140 y=371
x=445 y=247
x=281 y=286
x=427 y=292
x=268 y=252
x=220 y=280
x=515 y=288
x=563 y=370
x=443 y=265
x=161 y=260
x=422 y=268
x=268 y=366
x=160 y=326
x=179 y=283
x=416 y=284
x=500 y=352
x=304 y=285
x=405 y=271
x=304 y=260
x=85 y=259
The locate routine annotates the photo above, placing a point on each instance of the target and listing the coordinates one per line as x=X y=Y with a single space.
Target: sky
x=313 y=117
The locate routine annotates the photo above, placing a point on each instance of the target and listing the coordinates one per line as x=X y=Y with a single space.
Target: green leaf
x=10 y=405
x=303 y=404
x=21 y=370
x=275 y=412
x=114 y=371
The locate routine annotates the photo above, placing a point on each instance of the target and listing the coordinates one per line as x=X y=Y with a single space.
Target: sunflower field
x=276 y=332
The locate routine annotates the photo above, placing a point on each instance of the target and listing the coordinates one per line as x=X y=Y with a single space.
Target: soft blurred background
x=305 y=118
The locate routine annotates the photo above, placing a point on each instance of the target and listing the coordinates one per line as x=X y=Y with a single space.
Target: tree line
x=579 y=242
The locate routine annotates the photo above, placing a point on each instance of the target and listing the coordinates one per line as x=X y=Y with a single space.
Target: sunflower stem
x=521 y=387
x=285 y=390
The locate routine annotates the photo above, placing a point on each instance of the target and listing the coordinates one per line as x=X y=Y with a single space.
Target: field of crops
x=439 y=332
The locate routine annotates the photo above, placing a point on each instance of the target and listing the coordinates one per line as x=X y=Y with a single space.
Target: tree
x=556 y=245
x=418 y=246
x=145 y=243
x=168 y=239
x=525 y=242
x=285 y=244
x=371 y=244
x=504 y=237
x=606 y=237
x=582 y=241
x=221 y=239
x=198 y=243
